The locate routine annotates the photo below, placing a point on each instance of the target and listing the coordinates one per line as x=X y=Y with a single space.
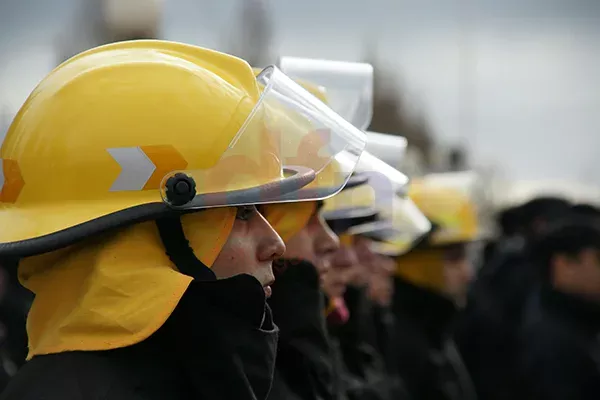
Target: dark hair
x=548 y=208
x=509 y=221
x=568 y=237
x=586 y=210
x=540 y=213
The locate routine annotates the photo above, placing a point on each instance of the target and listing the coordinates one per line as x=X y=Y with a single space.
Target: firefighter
x=558 y=337
x=430 y=287
x=304 y=366
x=488 y=332
x=374 y=212
x=133 y=179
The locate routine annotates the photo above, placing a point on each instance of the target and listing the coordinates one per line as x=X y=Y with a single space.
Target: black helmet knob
x=180 y=189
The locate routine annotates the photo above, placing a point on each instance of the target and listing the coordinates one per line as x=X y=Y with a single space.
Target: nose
x=326 y=242
x=271 y=246
x=468 y=272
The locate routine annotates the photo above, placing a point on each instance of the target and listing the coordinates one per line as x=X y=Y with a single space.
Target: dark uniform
x=560 y=347
x=219 y=343
x=427 y=356
x=304 y=367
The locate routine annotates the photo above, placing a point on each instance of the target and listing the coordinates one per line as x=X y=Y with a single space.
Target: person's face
x=368 y=261
x=458 y=272
x=380 y=289
x=580 y=274
x=250 y=249
x=380 y=271
x=344 y=266
x=362 y=246
x=381 y=284
x=315 y=243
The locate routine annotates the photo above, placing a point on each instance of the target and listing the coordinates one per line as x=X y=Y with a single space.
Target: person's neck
x=572 y=305
x=562 y=284
x=576 y=292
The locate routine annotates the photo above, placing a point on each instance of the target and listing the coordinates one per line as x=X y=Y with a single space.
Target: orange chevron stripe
x=166 y=159
x=13 y=181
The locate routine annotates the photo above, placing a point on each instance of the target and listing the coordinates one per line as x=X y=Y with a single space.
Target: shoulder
x=87 y=376
x=65 y=376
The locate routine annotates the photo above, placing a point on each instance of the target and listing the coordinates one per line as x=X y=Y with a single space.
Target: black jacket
x=487 y=333
x=219 y=343
x=304 y=366
x=427 y=357
x=366 y=374
x=560 y=348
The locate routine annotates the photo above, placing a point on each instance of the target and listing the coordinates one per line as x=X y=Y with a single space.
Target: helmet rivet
x=180 y=189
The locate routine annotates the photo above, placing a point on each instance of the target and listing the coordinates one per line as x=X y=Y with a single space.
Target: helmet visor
x=377 y=195
x=289 y=140
x=403 y=223
x=390 y=149
x=349 y=85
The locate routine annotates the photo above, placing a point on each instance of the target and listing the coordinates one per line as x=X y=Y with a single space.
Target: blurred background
x=510 y=88
x=507 y=88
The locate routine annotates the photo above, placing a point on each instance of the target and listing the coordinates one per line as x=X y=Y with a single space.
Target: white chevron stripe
x=136 y=168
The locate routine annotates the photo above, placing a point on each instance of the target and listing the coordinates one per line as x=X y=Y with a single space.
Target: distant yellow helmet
x=131 y=131
x=451 y=211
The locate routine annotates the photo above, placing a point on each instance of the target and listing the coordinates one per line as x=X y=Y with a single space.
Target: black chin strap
x=179 y=251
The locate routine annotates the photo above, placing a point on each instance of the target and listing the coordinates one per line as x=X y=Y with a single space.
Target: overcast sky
x=536 y=63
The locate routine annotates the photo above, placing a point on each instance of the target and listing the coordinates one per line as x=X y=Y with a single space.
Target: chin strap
x=179 y=251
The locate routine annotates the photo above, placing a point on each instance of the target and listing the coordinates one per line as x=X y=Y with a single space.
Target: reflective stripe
x=136 y=168
x=11 y=181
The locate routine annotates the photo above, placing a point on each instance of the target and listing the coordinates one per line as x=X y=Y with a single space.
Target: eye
x=244 y=213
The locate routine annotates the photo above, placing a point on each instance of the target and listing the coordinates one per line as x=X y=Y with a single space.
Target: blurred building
x=251 y=37
x=97 y=22
x=5 y=120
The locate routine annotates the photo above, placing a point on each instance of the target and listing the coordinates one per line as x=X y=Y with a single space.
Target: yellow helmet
x=133 y=131
x=446 y=200
x=450 y=210
x=423 y=267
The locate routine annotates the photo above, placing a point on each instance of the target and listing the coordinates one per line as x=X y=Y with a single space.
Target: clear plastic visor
x=289 y=139
x=349 y=85
x=404 y=222
x=390 y=149
x=378 y=195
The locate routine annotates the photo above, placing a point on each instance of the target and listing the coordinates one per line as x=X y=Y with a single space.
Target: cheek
x=300 y=246
x=236 y=257
x=451 y=273
x=593 y=275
